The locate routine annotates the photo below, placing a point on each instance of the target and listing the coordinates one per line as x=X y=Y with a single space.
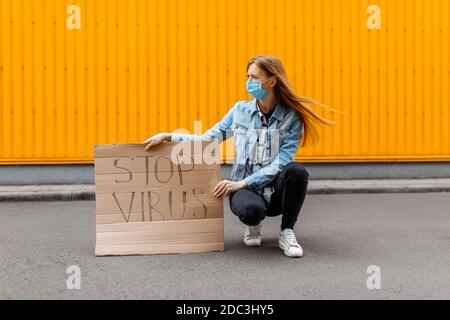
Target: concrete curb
x=47 y=192
x=87 y=191
x=379 y=186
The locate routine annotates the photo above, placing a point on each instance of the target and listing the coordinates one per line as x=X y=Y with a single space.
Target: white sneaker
x=252 y=236
x=289 y=244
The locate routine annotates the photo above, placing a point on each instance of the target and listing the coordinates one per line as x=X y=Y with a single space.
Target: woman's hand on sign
x=157 y=139
x=225 y=187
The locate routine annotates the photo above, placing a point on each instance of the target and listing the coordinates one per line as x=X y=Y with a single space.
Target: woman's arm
x=220 y=131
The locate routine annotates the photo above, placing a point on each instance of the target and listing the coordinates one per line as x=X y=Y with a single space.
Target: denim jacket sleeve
x=288 y=149
x=221 y=131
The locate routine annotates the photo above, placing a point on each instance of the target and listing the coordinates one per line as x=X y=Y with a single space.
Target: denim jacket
x=285 y=131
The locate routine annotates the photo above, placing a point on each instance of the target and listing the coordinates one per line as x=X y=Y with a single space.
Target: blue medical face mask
x=256 y=90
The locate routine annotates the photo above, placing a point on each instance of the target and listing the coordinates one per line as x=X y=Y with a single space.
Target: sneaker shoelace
x=291 y=239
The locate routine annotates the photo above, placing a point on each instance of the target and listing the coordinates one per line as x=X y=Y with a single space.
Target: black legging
x=287 y=199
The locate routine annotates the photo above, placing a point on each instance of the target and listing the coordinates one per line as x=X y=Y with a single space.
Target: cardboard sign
x=152 y=202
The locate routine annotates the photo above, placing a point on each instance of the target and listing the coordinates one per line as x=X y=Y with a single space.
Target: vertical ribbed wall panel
x=138 y=67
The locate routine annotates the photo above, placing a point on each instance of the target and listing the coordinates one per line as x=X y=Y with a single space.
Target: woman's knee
x=296 y=170
x=252 y=214
x=249 y=212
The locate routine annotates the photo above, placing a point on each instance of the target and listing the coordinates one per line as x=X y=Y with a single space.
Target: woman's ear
x=273 y=82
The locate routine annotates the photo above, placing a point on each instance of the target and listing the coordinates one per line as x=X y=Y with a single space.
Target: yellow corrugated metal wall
x=83 y=72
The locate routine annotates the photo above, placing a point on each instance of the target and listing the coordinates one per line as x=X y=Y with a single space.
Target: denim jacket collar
x=278 y=113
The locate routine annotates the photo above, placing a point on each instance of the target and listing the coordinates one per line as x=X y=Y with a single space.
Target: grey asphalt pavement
x=407 y=235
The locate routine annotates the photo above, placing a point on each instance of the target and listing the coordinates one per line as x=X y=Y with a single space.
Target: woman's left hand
x=225 y=187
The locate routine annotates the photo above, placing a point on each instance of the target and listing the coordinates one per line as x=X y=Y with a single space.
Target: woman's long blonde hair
x=286 y=96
